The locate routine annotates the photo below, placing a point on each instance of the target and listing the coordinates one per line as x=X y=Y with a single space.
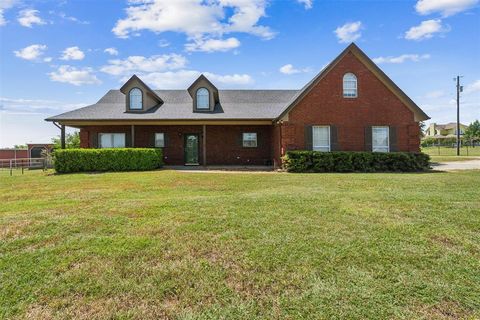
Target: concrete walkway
x=457 y=165
x=223 y=169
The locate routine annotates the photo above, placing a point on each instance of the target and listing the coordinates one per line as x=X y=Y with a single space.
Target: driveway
x=457 y=165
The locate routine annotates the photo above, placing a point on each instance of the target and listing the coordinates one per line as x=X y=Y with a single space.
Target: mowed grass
x=183 y=245
x=452 y=152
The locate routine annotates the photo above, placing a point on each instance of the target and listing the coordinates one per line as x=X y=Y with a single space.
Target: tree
x=20 y=146
x=72 y=140
x=472 y=133
x=422 y=129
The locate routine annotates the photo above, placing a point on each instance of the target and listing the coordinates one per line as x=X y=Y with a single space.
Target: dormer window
x=349 y=85
x=135 y=97
x=203 y=99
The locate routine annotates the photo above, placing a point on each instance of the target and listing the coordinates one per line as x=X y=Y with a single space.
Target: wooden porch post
x=204 y=145
x=62 y=136
x=133 y=136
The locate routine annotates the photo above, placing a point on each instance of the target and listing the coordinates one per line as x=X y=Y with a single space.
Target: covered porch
x=215 y=143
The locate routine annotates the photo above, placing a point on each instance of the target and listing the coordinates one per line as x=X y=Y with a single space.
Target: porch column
x=204 y=145
x=62 y=136
x=133 y=136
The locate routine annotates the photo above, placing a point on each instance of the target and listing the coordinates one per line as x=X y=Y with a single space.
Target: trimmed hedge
x=114 y=159
x=315 y=161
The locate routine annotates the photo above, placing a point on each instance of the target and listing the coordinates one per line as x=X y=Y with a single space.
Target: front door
x=191 y=148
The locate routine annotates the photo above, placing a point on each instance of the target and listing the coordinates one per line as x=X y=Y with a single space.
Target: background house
x=441 y=131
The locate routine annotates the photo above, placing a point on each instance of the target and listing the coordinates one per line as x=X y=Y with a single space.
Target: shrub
x=115 y=159
x=315 y=161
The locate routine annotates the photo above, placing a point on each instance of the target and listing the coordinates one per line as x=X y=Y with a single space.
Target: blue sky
x=56 y=56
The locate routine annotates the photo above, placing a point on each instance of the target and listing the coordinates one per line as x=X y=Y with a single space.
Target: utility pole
x=459 y=89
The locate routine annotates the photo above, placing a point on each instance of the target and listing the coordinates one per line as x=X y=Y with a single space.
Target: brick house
x=351 y=105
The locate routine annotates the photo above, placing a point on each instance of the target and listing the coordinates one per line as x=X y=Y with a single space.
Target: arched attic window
x=136 y=102
x=203 y=99
x=349 y=85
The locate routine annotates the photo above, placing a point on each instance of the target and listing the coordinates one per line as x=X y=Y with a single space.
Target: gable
x=203 y=82
x=353 y=51
x=149 y=97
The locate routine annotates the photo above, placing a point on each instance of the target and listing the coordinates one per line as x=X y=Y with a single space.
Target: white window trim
x=112 y=141
x=356 y=86
x=320 y=146
x=163 y=139
x=244 y=140
x=388 y=138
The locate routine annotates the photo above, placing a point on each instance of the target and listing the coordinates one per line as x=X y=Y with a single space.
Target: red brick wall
x=224 y=145
x=375 y=105
x=223 y=142
x=10 y=154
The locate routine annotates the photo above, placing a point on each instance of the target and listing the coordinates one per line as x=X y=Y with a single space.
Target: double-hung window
x=136 y=102
x=321 y=138
x=203 y=96
x=249 y=139
x=112 y=140
x=380 y=139
x=349 y=85
x=159 y=140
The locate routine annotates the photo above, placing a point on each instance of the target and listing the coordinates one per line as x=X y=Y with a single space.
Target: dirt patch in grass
x=443 y=240
x=82 y=308
x=14 y=229
x=445 y=310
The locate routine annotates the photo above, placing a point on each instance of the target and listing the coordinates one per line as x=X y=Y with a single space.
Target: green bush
x=315 y=161
x=115 y=159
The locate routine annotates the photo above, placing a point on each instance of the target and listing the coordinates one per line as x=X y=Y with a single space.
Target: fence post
x=10 y=167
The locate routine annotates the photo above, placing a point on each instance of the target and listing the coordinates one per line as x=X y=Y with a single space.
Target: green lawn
x=445 y=151
x=444 y=154
x=178 y=245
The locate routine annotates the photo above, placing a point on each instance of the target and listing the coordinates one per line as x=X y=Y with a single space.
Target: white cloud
x=197 y=19
x=401 y=59
x=184 y=78
x=230 y=79
x=34 y=106
x=138 y=64
x=32 y=52
x=441 y=104
x=72 y=53
x=29 y=17
x=349 y=32
x=444 y=7
x=47 y=59
x=211 y=45
x=73 y=75
x=435 y=94
x=111 y=51
x=426 y=30
x=5 y=5
x=73 y=19
x=168 y=71
x=307 y=3
x=162 y=43
x=473 y=87
x=289 y=69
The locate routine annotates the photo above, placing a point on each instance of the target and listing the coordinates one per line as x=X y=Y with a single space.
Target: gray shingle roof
x=178 y=105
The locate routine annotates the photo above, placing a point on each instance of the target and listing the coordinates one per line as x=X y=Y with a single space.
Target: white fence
x=25 y=163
